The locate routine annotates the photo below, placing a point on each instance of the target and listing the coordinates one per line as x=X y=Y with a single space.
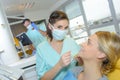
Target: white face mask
x=29 y=26
x=59 y=34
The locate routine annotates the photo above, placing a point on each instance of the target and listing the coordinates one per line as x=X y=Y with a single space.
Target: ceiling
x=18 y=7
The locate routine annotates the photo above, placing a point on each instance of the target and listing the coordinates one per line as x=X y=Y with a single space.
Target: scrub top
x=47 y=57
x=35 y=36
x=42 y=27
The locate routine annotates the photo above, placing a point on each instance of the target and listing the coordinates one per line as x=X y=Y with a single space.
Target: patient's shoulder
x=77 y=70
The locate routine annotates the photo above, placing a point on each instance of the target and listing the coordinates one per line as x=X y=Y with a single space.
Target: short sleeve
x=41 y=67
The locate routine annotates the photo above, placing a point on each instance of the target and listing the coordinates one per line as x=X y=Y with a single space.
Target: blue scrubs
x=35 y=36
x=43 y=28
x=47 y=57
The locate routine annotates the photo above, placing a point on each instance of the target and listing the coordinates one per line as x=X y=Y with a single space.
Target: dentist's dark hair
x=54 y=17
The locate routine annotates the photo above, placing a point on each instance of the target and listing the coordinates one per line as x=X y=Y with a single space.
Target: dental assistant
x=53 y=58
x=32 y=32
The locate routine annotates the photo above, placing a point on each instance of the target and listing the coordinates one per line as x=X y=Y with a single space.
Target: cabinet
x=30 y=73
x=28 y=65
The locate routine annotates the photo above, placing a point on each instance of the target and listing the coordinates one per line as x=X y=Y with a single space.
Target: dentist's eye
x=59 y=27
x=66 y=27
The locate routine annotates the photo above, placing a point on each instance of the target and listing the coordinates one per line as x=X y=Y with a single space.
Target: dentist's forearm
x=52 y=73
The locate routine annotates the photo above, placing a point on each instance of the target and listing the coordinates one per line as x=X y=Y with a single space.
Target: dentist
x=54 y=56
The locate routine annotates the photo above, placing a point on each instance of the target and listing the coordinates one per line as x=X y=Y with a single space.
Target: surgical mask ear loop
x=51 y=26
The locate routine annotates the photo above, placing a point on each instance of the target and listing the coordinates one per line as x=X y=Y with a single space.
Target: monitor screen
x=24 y=39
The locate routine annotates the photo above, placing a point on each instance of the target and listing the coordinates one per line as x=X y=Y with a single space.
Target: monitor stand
x=22 y=47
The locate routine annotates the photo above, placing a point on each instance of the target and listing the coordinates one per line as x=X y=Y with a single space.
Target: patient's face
x=89 y=50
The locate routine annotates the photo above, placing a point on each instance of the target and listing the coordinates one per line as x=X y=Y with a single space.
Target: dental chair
x=115 y=75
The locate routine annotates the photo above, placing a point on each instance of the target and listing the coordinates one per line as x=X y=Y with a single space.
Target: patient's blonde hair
x=109 y=43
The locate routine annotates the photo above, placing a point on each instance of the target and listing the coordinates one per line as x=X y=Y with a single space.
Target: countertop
x=24 y=62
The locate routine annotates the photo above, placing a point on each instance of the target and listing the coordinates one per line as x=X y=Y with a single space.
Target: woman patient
x=98 y=55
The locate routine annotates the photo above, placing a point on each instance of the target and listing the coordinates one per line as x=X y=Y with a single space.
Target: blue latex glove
x=70 y=76
x=34 y=26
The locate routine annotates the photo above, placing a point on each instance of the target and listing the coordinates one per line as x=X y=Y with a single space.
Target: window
x=72 y=9
x=96 y=11
x=117 y=7
x=87 y=17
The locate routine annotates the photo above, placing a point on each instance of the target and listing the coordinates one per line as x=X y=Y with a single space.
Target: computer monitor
x=23 y=38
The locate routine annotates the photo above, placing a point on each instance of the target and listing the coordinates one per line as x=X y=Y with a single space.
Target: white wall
x=9 y=54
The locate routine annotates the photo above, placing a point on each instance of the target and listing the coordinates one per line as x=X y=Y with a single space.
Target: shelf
x=99 y=25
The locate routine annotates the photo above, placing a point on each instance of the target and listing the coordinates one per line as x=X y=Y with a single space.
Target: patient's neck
x=91 y=71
